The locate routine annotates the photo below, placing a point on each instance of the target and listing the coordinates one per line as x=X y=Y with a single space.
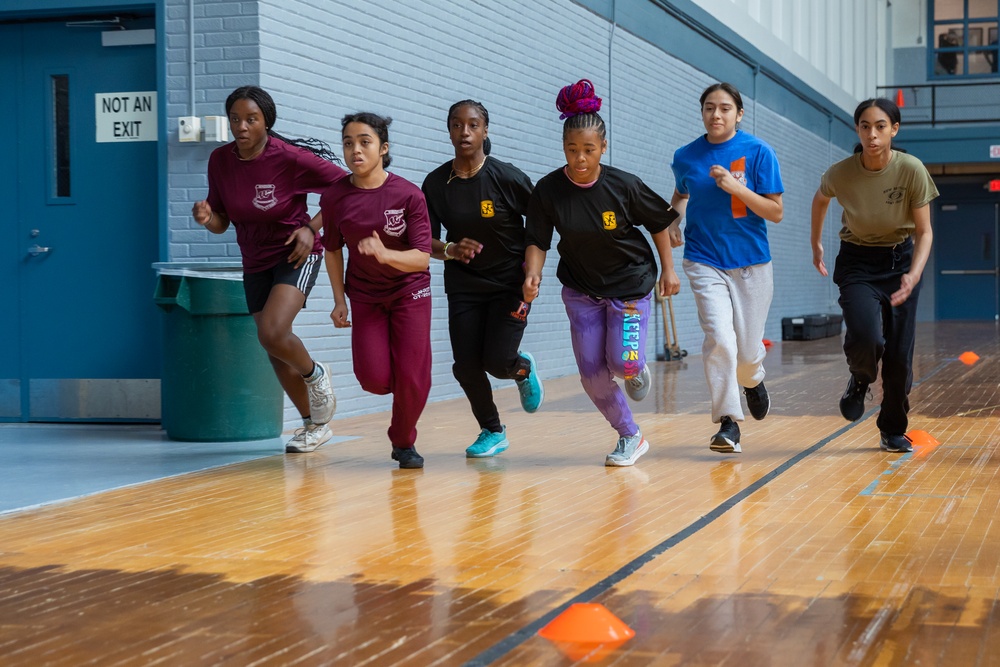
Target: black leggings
x=486 y=332
x=877 y=331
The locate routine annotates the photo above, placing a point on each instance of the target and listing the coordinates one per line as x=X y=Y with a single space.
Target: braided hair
x=263 y=100
x=578 y=105
x=487 y=144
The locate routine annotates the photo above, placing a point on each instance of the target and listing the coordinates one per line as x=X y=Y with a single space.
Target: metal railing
x=946 y=103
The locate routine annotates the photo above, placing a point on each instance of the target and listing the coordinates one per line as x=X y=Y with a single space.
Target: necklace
x=458 y=173
x=255 y=153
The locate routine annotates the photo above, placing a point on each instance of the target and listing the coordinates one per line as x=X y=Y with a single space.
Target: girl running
x=259 y=183
x=606 y=266
x=481 y=201
x=884 y=245
x=728 y=184
x=382 y=219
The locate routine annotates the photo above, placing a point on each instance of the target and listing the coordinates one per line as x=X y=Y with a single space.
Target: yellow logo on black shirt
x=610 y=221
x=486 y=207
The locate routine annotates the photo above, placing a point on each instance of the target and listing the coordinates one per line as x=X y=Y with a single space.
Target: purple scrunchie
x=577 y=99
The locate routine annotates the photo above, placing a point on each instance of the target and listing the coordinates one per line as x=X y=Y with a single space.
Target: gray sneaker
x=308 y=439
x=638 y=387
x=627 y=451
x=322 y=402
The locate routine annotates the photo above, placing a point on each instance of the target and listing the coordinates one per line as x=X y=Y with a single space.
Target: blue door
x=80 y=336
x=965 y=259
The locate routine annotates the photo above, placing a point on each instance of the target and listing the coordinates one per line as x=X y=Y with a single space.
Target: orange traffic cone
x=923 y=441
x=587 y=632
x=922 y=438
x=968 y=358
x=900 y=101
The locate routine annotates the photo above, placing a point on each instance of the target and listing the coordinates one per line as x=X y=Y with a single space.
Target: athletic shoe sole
x=534 y=374
x=498 y=448
x=639 y=451
x=724 y=445
x=305 y=449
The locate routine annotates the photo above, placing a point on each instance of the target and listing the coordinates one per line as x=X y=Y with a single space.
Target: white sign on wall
x=994 y=151
x=126 y=116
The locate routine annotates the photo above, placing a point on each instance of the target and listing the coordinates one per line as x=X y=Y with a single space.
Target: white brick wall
x=411 y=60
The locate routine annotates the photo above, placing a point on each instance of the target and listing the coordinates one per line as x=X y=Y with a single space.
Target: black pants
x=486 y=331
x=876 y=331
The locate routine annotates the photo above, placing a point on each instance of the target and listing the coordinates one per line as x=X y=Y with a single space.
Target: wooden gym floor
x=810 y=548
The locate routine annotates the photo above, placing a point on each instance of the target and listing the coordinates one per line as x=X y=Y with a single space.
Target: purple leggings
x=609 y=340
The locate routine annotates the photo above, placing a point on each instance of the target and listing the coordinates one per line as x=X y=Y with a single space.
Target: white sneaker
x=638 y=387
x=627 y=451
x=322 y=402
x=308 y=438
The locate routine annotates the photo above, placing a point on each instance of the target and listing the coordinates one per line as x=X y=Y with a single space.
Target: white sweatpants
x=732 y=311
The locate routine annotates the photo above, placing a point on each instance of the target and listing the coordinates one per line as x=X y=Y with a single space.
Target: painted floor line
x=518 y=637
x=515 y=639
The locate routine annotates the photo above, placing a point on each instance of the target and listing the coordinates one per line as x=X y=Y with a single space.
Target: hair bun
x=577 y=99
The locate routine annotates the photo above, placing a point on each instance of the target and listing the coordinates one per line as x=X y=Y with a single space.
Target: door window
x=60 y=186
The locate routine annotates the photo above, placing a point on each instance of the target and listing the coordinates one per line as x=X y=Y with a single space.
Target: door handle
x=35 y=250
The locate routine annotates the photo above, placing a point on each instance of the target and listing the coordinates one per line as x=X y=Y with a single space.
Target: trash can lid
x=216 y=270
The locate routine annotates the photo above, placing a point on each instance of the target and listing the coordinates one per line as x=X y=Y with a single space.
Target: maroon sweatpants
x=391 y=343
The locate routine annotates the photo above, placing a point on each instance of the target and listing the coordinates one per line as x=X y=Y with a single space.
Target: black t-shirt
x=602 y=253
x=489 y=207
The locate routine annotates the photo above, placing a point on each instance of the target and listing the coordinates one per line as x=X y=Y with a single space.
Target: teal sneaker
x=530 y=388
x=488 y=444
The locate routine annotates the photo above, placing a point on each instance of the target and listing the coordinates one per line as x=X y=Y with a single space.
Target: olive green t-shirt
x=878 y=205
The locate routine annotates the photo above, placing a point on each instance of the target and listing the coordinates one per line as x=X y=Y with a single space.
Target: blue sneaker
x=530 y=388
x=488 y=444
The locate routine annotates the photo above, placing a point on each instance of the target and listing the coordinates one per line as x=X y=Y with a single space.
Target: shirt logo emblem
x=894 y=195
x=395 y=225
x=486 y=207
x=610 y=221
x=265 y=198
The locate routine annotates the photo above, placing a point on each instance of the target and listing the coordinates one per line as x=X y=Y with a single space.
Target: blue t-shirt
x=721 y=230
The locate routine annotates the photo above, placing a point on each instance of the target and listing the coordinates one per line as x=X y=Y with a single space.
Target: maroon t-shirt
x=265 y=198
x=398 y=212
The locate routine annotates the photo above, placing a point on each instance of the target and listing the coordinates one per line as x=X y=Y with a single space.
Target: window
x=964 y=37
x=60 y=135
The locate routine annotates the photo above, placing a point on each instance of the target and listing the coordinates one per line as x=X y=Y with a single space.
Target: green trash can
x=218 y=384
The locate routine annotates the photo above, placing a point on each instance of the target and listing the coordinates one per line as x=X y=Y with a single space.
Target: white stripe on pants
x=732 y=311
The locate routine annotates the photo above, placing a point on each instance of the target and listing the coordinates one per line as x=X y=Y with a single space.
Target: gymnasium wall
x=411 y=59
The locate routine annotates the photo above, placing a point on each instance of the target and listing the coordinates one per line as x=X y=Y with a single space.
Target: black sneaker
x=897 y=444
x=727 y=440
x=407 y=457
x=852 y=403
x=758 y=402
